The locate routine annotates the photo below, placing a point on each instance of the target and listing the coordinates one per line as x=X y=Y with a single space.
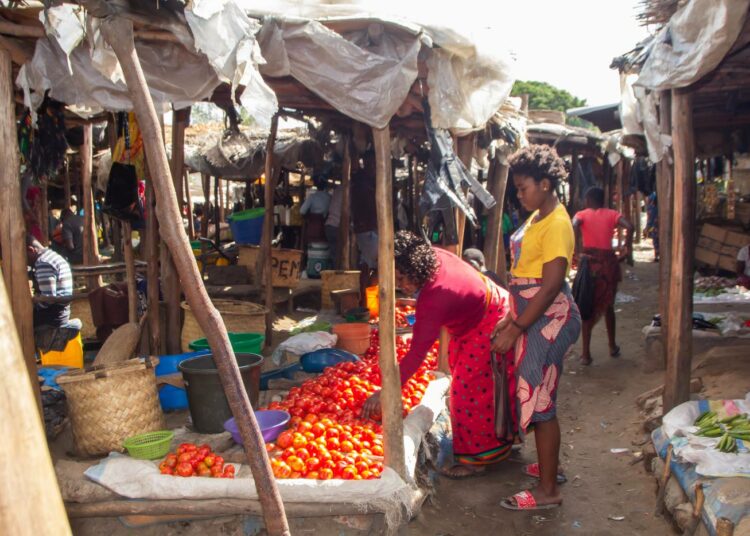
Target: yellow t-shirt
x=536 y=243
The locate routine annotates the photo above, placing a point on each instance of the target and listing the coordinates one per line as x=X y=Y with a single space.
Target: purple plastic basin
x=271 y=421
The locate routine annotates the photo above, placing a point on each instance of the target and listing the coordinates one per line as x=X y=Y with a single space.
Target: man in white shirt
x=315 y=210
x=743 y=266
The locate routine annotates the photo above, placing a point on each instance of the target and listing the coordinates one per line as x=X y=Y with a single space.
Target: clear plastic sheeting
x=226 y=36
x=66 y=24
x=693 y=43
x=366 y=84
x=174 y=76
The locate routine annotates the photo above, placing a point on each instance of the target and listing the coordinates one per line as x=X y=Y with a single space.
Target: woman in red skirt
x=452 y=294
x=595 y=227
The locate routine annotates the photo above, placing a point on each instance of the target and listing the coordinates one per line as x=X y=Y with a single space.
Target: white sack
x=304 y=343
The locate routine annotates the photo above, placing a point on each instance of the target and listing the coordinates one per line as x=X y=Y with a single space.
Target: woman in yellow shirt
x=544 y=320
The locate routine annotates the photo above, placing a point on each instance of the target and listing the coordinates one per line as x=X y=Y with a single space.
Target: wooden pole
x=30 y=501
x=152 y=272
x=573 y=183
x=217 y=213
x=345 y=220
x=127 y=248
x=637 y=217
x=264 y=270
x=665 y=197
x=66 y=183
x=90 y=242
x=118 y=32
x=189 y=197
x=494 y=248
x=206 y=181
x=393 y=430
x=680 y=310
x=465 y=151
x=43 y=213
x=13 y=233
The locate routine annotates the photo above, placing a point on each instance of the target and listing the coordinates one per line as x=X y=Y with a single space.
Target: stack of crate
x=717 y=247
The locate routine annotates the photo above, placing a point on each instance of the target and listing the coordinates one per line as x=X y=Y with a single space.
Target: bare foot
x=460 y=471
x=585 y=360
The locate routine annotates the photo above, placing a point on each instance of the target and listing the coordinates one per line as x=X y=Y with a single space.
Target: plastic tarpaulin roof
x=693 y=43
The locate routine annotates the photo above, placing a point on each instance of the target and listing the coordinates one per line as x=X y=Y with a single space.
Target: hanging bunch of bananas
x=729 y=429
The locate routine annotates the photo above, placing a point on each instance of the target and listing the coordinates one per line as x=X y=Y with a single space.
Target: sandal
x=524 y=500
x=532 y=470
x=615 y=353
x=461 y=472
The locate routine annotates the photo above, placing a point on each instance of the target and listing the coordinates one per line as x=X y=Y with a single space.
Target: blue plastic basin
x=319 y=360
x=171 y=397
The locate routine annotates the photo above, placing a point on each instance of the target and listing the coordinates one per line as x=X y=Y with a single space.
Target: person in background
x=52 y=279
x=652 y=223
x=544 y=320
x=315 y=210
x=72 y=236
x=332 y=223
x=595 y=227
x=476 y=258
x=507 y=229
x=452 y=295
x=743 y=267
x=364 y=214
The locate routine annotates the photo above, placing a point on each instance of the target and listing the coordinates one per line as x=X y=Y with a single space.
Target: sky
x=567 y=43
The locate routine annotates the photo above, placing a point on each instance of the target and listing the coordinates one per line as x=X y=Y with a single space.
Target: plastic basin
x=271 y=422
x=353 y=337
x=319 y=360
x=171 y=397
x=247 y=226
x=209 y=407
x=242 y=343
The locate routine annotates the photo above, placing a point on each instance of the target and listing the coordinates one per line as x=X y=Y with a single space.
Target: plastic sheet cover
x=366 y=84
x=693 y=43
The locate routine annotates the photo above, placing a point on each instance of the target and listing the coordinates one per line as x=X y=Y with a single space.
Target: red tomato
x=348 y=472
x=312 y=464
x=295 y=463
x=166 y=470
x=216 y=471
x=325 y=474
x=361 y=467
x=377 y=450
x=282 y=471
x=313 y=475
x=302 y=453
x=184 y=469
x=209 y=460
x=171 y=460
x=346 y=446
x=285 y=439
x=204 y=472
x=332 y=432
x=333 y=443
x=298 y=441
x=185 y=457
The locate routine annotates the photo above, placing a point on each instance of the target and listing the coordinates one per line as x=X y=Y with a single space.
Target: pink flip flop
x=532 y=470
x=524 y=500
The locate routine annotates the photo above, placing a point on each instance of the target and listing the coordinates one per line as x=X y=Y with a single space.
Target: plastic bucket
x=372 y=300
x=318 y=259
x=353 y=337
x=170 y=397
x=247 y=226
x=242 y=343
x=71 y=356
x=209 y=408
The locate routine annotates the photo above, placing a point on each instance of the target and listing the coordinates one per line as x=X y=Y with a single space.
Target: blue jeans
x=367 y=243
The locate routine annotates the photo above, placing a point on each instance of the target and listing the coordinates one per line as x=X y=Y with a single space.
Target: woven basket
x=239 y=316
x=336 y=280
x=110 y=403
x=80 y=309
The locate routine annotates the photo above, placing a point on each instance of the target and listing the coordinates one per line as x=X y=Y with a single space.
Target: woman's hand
x=371 y=407
x=504 y=321
x=504 y=339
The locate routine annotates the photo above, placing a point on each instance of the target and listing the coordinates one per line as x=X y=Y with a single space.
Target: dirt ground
x=597 y=413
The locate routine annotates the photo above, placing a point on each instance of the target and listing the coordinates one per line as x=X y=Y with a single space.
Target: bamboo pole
x=264 y=270
x=127 y=248
x=152 y=274
x=30 y=501
x=494 y=246
x=189 y=197
x=393 y=429
x=680 y=310
x=90 y=242
x=12 y=228
x=345 y=221
x=118 y=32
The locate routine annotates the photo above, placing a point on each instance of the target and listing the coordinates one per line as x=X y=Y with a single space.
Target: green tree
x=544 y=96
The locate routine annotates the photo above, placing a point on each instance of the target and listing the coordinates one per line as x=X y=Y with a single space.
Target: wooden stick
x=465 y=151
x=189 y=197
x=264 y=269
x=43 y=212
x=30 y=501
x=90 y=241
x=217 y=214
x=12 y=227
x=680 y=310
x=152 y=277
x=345 y=220
x=660 y=506
x=127 y=248
x=118 y=32
x=665 y=196
x=37 y=31
x=724 y=527
x=697 y=510
x=66 y=184
x=495 y=247
x=206 y=181
x=393 y=429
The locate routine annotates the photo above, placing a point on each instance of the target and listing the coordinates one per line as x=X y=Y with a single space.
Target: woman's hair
x=414 y=257
x=539 y=162
x=595 y=195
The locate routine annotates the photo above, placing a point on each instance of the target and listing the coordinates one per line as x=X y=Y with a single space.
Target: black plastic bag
x=583 y=289
x=121 y=199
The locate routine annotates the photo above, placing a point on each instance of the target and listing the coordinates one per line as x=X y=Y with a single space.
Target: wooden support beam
x=127 y=249
x=13 y=232
x=680 y=310
x=494 y=247
x=465 y=152
x=152 y=275
x=206 y=182
x=574 y=183
x=43 y=211
x=345 y=235
x=665 y=197
x=638 y=223
x=30 y=500
x=66 y=184
x=118 y=32
x=90 y=241
x=264 y=269
x=189 y=198
x=393 y=429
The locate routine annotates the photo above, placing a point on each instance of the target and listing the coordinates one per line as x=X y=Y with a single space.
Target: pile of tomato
x=327 y=438
x=402 y=312
x=194 y=460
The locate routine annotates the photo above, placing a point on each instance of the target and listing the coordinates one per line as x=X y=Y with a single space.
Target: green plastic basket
x=149 y=446
x=243 y=343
